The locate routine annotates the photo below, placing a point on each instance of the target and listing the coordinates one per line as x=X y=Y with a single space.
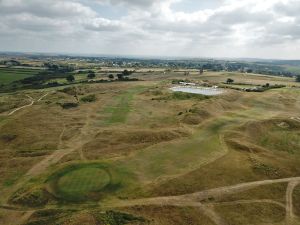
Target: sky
x=179 y=28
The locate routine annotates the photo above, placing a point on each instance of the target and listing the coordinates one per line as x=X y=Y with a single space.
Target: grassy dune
x=136 y=140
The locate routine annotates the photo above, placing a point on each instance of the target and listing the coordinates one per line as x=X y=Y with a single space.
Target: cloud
x=134 y=3
x=47 y=8
x=231 y=28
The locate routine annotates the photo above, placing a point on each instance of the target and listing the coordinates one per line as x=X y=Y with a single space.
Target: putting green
x=80 y=182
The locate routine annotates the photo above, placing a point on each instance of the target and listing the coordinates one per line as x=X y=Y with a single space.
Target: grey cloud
x=132 y=3
x=290 y=8
x=147 y=28
x=48 y=8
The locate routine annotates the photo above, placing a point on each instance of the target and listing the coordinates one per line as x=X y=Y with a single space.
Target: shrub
x=88 y=98
x=70 y=78
x=69 y=105
x=8 y=137
x=91 y=75
x=185 y=96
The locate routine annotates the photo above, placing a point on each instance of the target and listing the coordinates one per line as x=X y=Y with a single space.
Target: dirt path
x=25 y=217
x=32 y=101
x=41 y=98
x=289 y=202
x=22 y=107
x=195 y=199
x=268 y=201
x=64 y=148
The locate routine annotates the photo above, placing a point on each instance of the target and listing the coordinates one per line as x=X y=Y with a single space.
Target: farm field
x=8 y=75
x=138 y=153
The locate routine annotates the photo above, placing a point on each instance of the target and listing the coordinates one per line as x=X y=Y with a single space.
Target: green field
x=9 y=75
x=83 y=181
x=119 y=111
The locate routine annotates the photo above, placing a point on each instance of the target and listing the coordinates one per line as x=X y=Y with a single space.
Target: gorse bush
x=185 y=96
x=88 y=98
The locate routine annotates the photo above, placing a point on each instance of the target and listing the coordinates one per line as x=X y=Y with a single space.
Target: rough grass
x=274 y=192
x=168 y=163
x=123 y=141
x=275 y=134
x=254 y=214
x=76 y=217
x=296 y=200
x=169 y=215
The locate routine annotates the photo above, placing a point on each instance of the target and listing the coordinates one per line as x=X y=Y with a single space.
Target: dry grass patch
x=169 y=215
x=124 y=141
x=254 y=214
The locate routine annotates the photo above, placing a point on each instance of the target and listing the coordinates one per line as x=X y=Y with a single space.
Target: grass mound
x=80 y=182
x=178 y=96
x=88 y=98
x=35 y=197
x=276 y=134
x=262 y=213
x=195 y=116
x=83 y=181
x=91 y=217
x=185 y=96
x=110 y=142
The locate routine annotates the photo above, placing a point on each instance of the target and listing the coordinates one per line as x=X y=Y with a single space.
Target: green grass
x=130 y=175
x=88 y=182
x=78 y=182
x=9 y=75
x=77 y=77
x=12 y=179
x=185 y=96
x=241 y=86
x=119 y=112
x=83 y=181
x=293 y=69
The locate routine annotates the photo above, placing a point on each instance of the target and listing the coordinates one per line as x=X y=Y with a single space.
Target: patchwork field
x=8 y=75
x=137 y=153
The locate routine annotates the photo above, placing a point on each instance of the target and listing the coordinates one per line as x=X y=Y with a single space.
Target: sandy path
x=289 y=202
x=25 y=217
x=195 y=199
x=268 y=201
x=32 y=101
x=22 y=107
x=64 y=148
x=41 y=98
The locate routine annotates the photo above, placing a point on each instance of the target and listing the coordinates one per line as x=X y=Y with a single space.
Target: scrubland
x=136 y=153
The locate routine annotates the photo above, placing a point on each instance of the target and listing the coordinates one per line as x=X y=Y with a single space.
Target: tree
x=110 y=76
x=127 y=73
x=70 y=78
x=91 y=75
x=229 y=81
x=298 y=78
x=120 y=76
